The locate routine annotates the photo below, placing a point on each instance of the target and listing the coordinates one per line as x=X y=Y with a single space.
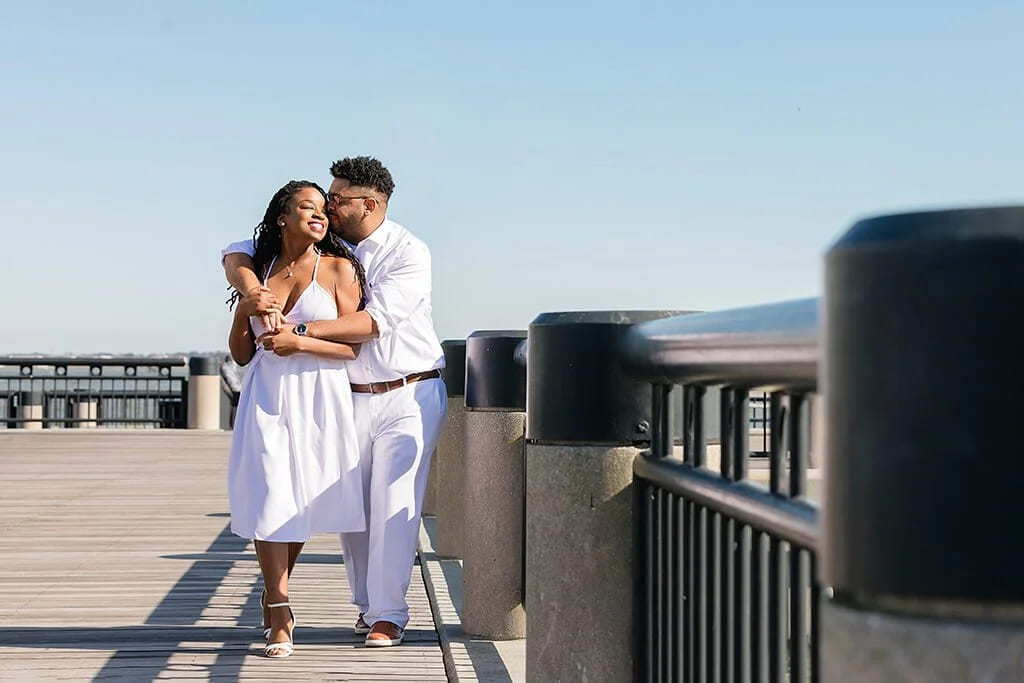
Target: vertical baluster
x=799 y=432
x=740 y=433
x=153 y=401
x=700 y=446
x=799 y=587
x=703 y=598
x=779 y=445
x=778 y=619
x=765 y=423
x=715 y=608
x=668 y=596
x=741 y=466
x=691 y=653
x=662 y=418
x=727 y=433
x=650 y=540
x=96 y=387
x=682 y=603
x=657 y=630
x=689 y=418
x=657 y=409
x=815 y=599
x=760 y=617
x=742 y=638
x=728 y=599
x=799 y=439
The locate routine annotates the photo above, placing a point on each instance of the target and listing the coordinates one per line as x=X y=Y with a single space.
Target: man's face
x=346 y=208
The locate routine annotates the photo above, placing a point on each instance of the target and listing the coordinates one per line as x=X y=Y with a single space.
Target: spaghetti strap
x=266 y=277
x=316 y=265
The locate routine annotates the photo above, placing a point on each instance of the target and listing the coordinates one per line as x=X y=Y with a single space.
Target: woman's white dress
x=294 y=465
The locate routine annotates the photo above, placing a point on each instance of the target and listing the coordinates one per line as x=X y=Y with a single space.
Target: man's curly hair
x=364 y=172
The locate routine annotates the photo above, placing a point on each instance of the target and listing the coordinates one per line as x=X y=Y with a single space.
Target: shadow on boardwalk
x=106 y=576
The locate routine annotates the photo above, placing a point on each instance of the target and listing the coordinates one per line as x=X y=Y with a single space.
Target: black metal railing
x=727 y=588
x=63 y=392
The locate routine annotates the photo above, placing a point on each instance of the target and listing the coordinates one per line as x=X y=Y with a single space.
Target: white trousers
x=397 y=433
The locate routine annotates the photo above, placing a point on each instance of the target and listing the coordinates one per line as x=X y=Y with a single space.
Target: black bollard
x=586 y=422
x=495 y=425
x=921 y=363
x=450 y=477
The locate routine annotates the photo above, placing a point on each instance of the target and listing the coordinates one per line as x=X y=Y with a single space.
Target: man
x=399 y=399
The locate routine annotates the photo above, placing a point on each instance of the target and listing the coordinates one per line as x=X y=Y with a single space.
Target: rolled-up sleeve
x=400 y=291
x=247 y=247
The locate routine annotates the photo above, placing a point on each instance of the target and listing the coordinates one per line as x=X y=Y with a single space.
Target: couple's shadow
x=198 y=628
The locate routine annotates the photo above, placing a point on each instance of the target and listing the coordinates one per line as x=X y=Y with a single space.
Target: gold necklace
x=290 y=267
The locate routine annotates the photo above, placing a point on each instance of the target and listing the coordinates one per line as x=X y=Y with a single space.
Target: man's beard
x=345 y=229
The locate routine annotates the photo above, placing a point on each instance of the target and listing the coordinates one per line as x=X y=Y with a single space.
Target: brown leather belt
x=383 y=387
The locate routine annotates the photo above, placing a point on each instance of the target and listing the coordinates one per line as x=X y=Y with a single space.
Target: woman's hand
x=282 y=342
x=262 y=302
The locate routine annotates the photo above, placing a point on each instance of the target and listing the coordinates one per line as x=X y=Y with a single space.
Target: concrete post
x=492 y=573
x=430 y=494
x=451 y=475
x=583 y=416
x=31 y=409
x=922 y=481
x=204 y=392
x=86 y=410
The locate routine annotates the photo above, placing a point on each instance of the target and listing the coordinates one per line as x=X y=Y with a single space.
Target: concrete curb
x=466 y=659
x=426 y=555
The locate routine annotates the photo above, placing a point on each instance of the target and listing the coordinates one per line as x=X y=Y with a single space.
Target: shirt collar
x=380 y=235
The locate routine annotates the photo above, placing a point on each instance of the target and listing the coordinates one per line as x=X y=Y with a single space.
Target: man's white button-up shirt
x=398 y=281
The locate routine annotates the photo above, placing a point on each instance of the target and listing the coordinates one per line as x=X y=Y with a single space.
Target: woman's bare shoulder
x=341 y=269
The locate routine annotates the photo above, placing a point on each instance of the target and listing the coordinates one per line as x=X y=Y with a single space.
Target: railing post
x=204 y=392
x=663 y=427
x=584 y=419
x=921 y=520
x=31 y=409
x=495 y=423
x=450 y=468
x=430 y=492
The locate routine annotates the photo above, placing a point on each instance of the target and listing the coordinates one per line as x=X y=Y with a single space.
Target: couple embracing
x=342 y=401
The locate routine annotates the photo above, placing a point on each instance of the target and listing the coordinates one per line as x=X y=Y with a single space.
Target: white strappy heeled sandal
x=286 y=647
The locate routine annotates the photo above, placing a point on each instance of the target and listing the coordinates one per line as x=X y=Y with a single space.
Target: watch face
x=300 y=329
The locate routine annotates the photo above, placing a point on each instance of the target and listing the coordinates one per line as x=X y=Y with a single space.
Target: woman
x=294 y=460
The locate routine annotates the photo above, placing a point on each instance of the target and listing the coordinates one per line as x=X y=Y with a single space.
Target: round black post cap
x=204 y=365
x=922 y=359
x=494 y=380
x=577 y=391
x=454 y=372
x=32 y=397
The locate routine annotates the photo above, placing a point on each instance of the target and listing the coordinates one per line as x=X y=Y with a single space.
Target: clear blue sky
x=555 y=156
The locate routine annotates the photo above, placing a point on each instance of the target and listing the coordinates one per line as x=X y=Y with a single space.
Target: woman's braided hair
x=267 y=237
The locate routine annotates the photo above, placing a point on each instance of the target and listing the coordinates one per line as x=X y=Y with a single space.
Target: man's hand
x=262 y=302
x=282 y=341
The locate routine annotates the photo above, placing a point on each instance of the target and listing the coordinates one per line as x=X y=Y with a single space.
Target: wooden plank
x=118 y=565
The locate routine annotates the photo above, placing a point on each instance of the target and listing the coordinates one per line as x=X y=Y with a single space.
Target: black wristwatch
x=301 y=329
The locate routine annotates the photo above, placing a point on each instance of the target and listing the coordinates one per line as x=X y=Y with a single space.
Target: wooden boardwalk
x=117 y=563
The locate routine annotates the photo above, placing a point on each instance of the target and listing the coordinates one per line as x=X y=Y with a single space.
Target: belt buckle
x=374 y=390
